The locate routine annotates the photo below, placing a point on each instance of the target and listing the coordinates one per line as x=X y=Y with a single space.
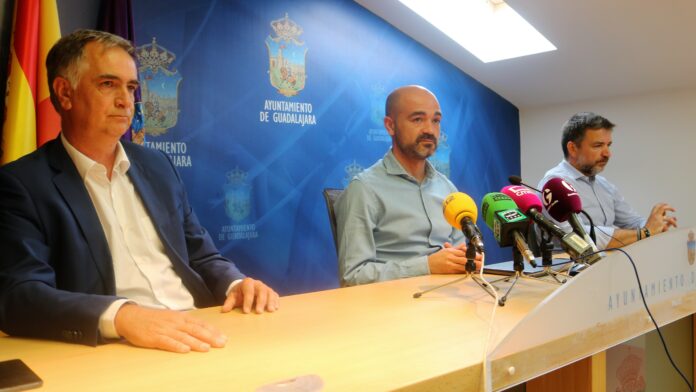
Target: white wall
x=654 y=150
x=654 y=159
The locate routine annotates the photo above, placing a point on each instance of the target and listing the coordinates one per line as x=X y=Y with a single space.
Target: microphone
x=517 y=180
x=507 y=223
x=563 y=203
x=460 y=211
x=529 y=202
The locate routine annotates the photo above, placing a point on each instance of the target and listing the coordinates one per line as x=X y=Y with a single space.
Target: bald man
x=389 y=219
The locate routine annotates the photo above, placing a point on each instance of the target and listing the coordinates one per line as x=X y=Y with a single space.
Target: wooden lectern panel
x=576 y=377
x=600 y=308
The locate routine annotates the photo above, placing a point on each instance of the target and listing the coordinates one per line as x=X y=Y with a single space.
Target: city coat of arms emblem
x=286 y=55
x=160 y=88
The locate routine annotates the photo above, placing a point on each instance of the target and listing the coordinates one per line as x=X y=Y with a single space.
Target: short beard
x=591 y=170
x=415 y=150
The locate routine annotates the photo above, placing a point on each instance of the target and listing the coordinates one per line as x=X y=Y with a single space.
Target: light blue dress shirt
x=600 y=199
x=388 y=223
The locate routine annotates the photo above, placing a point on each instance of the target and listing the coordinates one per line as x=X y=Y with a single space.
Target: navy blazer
x=56 y=273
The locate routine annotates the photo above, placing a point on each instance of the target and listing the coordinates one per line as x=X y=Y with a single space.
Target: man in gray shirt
x=586 y=143
x=389 y=219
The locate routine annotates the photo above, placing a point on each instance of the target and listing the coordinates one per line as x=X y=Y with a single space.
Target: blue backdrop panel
x=263 y=104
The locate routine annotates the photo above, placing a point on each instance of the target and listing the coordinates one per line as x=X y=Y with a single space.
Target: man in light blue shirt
x=587 y=138
x=389 y=219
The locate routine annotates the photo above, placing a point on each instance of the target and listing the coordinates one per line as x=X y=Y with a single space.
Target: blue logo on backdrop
x=237 y=195
x=377 y=133
x=238 y=206
x=378 y=96
x=351 y=170
x=441 y=158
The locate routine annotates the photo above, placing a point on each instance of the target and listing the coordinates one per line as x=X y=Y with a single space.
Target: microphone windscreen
x=524 y=197
x=457 y=206
x=560 y=199
x=494 y=202
x=515 y=180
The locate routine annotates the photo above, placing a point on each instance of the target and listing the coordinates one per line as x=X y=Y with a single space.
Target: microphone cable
x=611 y=236
x=592 y=226
x=642 y=295
x=657 y=328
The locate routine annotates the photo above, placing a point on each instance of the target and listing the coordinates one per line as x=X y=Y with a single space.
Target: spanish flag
x=30 y=119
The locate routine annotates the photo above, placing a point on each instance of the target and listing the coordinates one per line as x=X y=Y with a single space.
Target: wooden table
x=372 y=337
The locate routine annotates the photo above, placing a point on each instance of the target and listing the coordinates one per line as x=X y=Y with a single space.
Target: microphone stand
x=546 y=247
x=518 y=267
x=576 y=265
x=470 y=267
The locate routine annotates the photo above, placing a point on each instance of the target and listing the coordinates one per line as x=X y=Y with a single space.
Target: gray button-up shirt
x=388 y=223
x=600 y=199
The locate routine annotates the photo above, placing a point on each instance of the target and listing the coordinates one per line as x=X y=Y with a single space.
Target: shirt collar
x=85 y=164
x=393 y=167
x=574 y=173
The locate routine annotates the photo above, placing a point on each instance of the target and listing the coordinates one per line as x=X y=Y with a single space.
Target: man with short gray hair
x=98 y=238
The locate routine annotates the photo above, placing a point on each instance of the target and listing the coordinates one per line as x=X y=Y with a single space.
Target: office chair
x=330 y=196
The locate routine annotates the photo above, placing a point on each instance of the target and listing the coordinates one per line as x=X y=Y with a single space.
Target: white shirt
x=143 y=272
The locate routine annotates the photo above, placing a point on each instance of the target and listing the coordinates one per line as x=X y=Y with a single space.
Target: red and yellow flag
x=30 y=119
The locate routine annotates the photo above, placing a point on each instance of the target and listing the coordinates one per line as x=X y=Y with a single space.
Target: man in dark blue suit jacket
x=57 y=274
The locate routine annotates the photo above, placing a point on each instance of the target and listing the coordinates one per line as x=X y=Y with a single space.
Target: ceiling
x=606 y=48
